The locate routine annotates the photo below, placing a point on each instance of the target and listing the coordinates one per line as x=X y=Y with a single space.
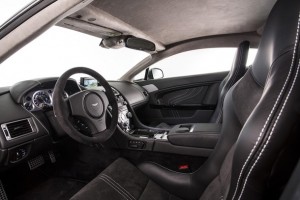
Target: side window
x=200 y=61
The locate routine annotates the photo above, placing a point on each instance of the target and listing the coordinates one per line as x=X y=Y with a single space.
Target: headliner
x=170 y=21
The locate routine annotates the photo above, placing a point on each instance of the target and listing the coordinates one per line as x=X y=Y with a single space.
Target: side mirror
x=155 y=73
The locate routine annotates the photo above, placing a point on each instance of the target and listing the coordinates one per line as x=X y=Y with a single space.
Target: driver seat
x=259 y=144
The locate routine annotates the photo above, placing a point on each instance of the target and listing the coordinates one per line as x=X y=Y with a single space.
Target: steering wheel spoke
x=98 y=126
x=75 y=102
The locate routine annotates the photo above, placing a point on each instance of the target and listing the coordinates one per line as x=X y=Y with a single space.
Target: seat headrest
x=278 y=37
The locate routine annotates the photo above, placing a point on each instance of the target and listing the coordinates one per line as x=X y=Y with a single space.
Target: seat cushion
x=122 y=180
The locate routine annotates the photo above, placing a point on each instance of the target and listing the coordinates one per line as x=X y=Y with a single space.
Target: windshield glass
x=59 y=49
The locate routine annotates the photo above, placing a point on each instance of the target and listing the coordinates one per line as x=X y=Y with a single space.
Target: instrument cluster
x=39 y=100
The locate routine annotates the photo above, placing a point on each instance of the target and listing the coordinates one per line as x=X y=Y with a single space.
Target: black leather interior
x=187 y=99
x=260 y=126
x=200 y=135
x=238 y=70
x=236 y=112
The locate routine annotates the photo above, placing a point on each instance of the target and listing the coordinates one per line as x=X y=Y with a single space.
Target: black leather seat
x=259 y=145
x=238 y=69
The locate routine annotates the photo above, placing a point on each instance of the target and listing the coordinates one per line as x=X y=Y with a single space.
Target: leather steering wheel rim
x=64 y=109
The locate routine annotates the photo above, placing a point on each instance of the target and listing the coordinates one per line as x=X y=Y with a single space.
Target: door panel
x=189 y=99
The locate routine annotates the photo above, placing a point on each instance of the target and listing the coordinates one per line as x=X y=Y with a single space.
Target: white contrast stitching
x=267 y=121
x=122 y=188
x=180 y=96
x=279 y=115
x=197 y=91
x=114 y=187
x=231 y=83
x=177 y=97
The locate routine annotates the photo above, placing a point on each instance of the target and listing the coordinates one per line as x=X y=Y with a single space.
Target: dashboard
x=28 y=124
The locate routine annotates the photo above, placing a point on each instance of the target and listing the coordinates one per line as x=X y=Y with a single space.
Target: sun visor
x=88 y=28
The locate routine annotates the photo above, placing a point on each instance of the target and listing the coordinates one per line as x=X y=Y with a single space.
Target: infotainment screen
x=88 y=82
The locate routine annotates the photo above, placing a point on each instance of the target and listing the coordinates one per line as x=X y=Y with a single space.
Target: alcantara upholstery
x=259 y=144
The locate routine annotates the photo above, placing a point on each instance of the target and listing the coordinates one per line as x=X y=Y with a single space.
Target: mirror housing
x=129 y=42
x=155 y=73
x=139 y=44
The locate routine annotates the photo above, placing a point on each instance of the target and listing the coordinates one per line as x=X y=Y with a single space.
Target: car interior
x=211 y=136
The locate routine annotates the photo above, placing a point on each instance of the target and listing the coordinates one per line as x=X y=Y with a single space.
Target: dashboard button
x=129 y=115
x=135 y=144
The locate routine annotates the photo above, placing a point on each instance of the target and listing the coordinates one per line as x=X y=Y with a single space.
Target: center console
x=125 y=116
x=200 y=135
x=197 y=139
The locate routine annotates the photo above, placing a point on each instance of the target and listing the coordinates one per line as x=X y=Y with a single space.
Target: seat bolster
x=177 y=183
x=122 y=181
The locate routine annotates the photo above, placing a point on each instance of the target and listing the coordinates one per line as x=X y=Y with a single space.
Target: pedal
x=52 y=157
x=36 y=162
x=3 y=195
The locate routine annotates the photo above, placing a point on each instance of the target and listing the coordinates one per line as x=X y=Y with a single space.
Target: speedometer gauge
x=41 y=99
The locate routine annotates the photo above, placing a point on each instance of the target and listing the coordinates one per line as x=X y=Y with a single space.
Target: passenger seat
x=238 y=70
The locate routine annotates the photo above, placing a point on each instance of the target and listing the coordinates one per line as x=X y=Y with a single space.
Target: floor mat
x=54 y=188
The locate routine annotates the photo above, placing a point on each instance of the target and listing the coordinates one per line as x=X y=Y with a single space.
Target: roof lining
x=172 y=21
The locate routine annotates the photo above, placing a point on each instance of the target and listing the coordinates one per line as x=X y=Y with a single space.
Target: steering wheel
x=88 y=105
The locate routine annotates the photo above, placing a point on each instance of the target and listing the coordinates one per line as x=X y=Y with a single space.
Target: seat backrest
x=258 y=164
x=259 y=140
x=268 y=146
x=238 y=70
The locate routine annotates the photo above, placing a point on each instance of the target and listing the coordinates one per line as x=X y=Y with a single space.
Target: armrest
x=202 y=135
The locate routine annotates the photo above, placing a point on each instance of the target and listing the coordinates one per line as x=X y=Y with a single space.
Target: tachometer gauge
x=28 y=106
x=41 y=99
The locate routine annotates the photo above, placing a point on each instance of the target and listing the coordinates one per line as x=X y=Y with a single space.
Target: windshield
x=59 y=49
x=9 y=7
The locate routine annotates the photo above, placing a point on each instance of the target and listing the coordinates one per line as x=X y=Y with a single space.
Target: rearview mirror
x=139 y=44
x=155 y=73
x=129 y=42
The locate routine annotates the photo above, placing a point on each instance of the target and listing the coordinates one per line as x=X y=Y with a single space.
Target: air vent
x=18 y=128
